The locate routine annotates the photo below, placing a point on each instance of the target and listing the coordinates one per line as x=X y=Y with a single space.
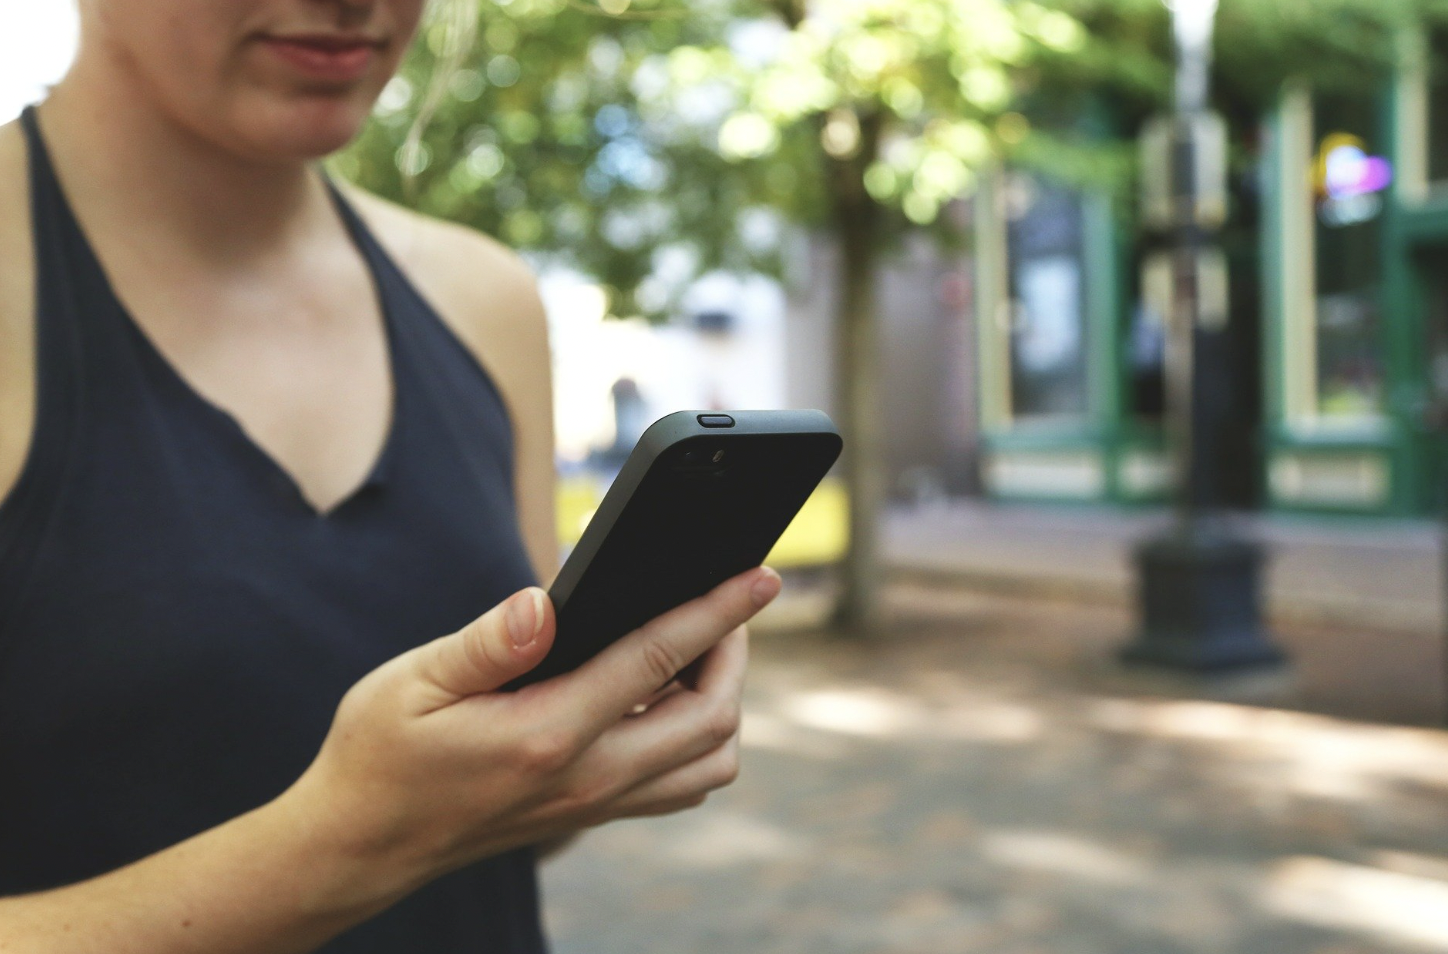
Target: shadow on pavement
x=984 y=780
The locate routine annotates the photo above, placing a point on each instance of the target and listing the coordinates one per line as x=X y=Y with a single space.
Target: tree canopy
x=647 y=141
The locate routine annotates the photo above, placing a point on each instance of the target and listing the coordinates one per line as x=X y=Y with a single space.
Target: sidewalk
x=1343 y=571
x=982 y=781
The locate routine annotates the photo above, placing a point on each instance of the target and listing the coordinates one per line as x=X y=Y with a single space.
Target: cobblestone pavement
x=982 y=780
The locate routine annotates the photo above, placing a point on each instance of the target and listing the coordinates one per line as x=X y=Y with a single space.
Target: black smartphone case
x=692 y=506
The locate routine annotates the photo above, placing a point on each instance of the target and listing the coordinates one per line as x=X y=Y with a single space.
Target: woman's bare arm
x=427 y=769
x=271 y=881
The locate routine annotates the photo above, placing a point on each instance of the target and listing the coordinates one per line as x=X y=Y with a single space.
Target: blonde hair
x=455 y=25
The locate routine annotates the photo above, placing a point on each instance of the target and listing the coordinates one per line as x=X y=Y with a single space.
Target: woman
x=267 y=450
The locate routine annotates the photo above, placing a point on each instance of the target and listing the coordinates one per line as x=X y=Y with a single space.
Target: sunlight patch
x=1386 y=904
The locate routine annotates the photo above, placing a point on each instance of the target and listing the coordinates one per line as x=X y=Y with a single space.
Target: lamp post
x=1199 y=581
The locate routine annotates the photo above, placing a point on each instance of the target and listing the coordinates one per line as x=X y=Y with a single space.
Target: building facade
x=1336 y=260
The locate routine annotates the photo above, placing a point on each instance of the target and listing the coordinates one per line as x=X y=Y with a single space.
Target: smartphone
x=703 y=496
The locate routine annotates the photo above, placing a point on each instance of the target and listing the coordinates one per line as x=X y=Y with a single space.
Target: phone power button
x=716 y=420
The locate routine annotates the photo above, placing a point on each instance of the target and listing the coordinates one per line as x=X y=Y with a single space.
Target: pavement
x=986 y=780
x=1382 y=573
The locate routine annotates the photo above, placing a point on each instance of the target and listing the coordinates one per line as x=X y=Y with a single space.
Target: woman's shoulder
x=460 y=270
x=14 y=217
x=483 y=290
x=17 y=320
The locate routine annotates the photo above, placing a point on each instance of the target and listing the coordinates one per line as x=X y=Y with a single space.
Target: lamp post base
x=1200 y=606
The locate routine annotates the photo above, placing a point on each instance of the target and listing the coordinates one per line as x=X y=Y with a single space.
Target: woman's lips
x=332 y=59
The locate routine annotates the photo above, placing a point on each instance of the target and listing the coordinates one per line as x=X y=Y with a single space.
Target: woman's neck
x=123 y=157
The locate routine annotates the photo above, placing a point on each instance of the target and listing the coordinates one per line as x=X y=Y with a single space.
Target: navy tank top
x=178 y=624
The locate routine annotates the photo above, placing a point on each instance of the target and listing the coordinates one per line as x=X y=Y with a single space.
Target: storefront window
x=1437 y=166
x=1435 y=264
x=1046 y=274
x=1146 y=337
x=1350 y=182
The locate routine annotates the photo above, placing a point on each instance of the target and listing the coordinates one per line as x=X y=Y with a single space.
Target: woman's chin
x=303 y=130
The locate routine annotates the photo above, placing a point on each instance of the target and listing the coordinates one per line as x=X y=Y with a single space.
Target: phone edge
x=655 y=440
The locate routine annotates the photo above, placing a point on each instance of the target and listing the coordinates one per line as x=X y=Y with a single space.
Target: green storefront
x=1337 y=337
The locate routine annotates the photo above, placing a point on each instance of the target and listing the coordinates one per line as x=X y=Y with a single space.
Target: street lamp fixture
x=1199 y=582
x=1192 y=22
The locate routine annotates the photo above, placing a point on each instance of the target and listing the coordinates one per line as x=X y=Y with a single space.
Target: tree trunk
x=858 y=612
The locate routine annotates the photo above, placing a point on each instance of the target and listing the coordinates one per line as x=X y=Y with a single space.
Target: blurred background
x=1120 y=625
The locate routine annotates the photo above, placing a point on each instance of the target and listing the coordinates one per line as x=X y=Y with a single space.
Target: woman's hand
x=427 y=768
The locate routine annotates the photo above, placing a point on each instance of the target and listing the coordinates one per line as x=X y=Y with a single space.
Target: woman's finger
x=721 y=670
x=673 y=687
x=608 y=687
x=682 y=726
x=712 y=770
x=663 y=808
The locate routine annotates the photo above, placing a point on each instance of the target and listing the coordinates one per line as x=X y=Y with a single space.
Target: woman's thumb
x=497 y=647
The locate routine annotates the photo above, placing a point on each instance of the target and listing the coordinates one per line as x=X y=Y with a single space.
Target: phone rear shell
x=670 y=529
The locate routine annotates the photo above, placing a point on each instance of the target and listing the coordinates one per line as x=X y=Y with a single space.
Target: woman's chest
x=225 y=604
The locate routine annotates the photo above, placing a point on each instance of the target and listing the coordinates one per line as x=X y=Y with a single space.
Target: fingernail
x=766 y=587
x=525 y=616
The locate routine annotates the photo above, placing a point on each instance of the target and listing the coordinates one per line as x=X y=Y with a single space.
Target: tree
x=647 y=142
